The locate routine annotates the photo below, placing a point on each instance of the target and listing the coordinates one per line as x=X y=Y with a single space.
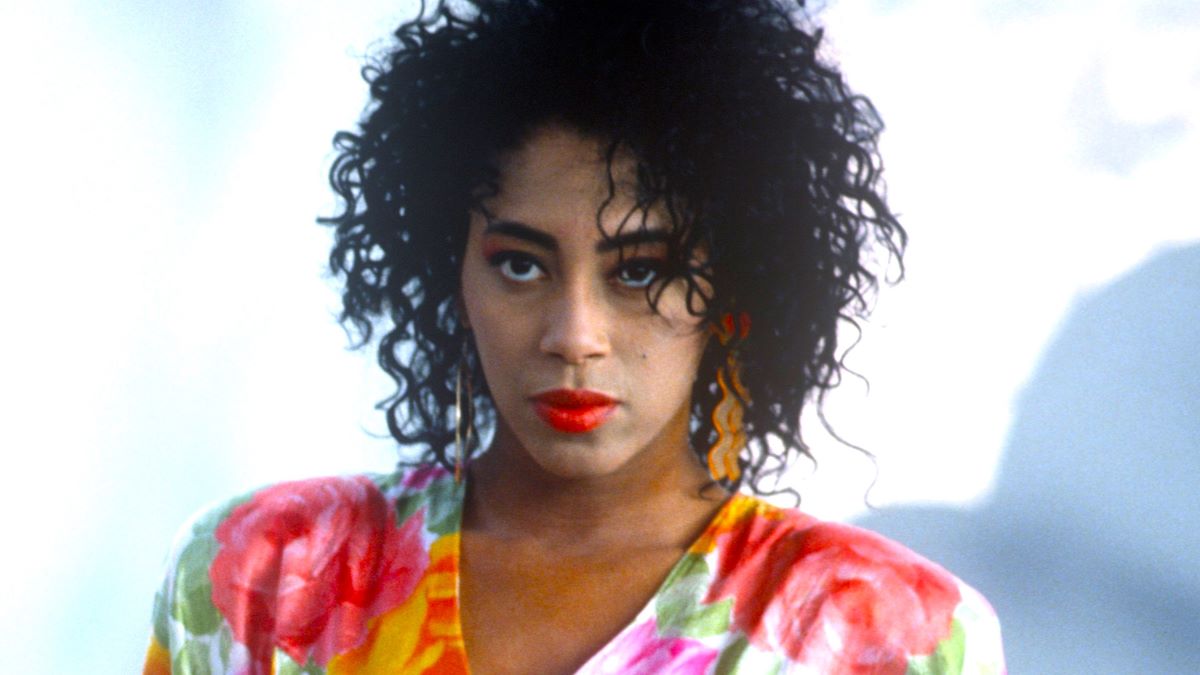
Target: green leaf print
x=284 y=665
x=206 y=525
x=386 y=483
x=678 y=608
x=947 y=659
x=193 y=591
x=727 y=664
x=162 y=621
x=739 y=658
x=407 y=506
x=443 y=501
x=225 y=644
x=193 y=659
x=445 y=506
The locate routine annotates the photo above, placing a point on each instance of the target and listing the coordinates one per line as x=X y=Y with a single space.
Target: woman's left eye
x=638 y=273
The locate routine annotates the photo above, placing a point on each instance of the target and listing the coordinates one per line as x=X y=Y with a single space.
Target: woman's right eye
x=517 y=266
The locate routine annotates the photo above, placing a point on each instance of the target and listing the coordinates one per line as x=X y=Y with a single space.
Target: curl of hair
x=763 y=156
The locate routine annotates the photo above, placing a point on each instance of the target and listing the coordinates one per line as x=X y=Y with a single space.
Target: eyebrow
x=516 y=230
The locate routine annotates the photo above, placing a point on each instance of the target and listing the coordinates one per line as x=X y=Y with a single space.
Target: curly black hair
x=762 y=155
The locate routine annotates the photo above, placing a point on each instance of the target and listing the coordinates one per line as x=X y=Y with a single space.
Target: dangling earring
x=728 y=413
x=461 y=447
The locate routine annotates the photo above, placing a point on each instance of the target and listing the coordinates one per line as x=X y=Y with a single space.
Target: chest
x=533 y=610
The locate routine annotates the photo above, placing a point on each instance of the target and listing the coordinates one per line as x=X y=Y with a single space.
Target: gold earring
x=728 y=414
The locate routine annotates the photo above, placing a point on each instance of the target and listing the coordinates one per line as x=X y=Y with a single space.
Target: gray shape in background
x=1089 y=548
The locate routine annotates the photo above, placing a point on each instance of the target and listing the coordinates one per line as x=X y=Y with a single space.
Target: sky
x=172 y=338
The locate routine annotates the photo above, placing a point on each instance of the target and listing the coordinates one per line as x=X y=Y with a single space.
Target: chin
x=577 y=461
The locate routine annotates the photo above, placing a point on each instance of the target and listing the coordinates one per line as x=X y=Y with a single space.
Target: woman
x=613 y=240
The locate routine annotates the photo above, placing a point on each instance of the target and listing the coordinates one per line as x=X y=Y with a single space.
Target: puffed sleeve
x=158 y=654
x=973 y=646
x=188 y=633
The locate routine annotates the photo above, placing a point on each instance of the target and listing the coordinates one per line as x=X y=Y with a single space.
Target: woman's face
x=586 y=377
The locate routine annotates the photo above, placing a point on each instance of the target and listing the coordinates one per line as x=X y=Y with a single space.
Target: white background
x=169 y=336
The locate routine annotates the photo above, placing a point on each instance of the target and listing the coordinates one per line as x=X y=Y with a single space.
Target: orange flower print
x=737 y=510
x=158 y=660
x=423 y=635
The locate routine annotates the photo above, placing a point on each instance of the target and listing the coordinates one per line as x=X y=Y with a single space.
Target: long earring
x=728 y=414
x=461 y=448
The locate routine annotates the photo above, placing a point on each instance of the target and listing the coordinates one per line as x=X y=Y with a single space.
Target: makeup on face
x=573 y=411
x=585 y=371
x=642 y=253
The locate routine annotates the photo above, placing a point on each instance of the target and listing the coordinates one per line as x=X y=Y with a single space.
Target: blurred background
x=1034 y=399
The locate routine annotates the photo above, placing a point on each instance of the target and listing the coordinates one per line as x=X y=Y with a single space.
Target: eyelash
x=499 y=260
x=652 y=265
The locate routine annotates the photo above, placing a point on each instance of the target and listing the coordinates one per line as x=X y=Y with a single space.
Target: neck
x=657 y=498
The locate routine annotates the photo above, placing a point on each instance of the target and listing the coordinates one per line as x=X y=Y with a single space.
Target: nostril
x=576 y=334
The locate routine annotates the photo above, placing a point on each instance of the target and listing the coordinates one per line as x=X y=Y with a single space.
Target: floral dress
x=359 y=575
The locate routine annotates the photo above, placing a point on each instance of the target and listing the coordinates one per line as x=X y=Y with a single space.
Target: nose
x=577 y=325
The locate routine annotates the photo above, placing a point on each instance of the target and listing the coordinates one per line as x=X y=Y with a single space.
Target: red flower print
x=303 y=566
x=836 y=598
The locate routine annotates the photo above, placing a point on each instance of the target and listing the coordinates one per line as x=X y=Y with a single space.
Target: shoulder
x=329 y=507
x=833 y=595
x=334 y=505
x=298 y=565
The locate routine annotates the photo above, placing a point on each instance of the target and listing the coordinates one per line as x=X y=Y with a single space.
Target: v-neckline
x=675 y=571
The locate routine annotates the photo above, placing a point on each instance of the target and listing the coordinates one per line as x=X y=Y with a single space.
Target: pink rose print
x=641 y=651
x=835 y=598
x=303 y=566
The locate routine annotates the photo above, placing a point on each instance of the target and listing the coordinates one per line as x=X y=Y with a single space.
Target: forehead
x=560 y=180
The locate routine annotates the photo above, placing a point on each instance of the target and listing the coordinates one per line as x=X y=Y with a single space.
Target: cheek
x=691 y=352
x=670 y=365
x=499 y=338
x=673 y=304
x=478 y=294
x=487 y=325
x=672 y=339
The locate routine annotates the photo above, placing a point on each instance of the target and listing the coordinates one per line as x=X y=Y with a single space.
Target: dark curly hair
x=762 y=155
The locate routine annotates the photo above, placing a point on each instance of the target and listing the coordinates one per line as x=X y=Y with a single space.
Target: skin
x=567 y=536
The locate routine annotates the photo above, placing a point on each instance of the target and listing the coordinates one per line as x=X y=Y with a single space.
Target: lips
x=573 y=411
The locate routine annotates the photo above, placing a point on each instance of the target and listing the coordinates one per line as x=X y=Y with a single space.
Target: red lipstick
x=573 y=411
